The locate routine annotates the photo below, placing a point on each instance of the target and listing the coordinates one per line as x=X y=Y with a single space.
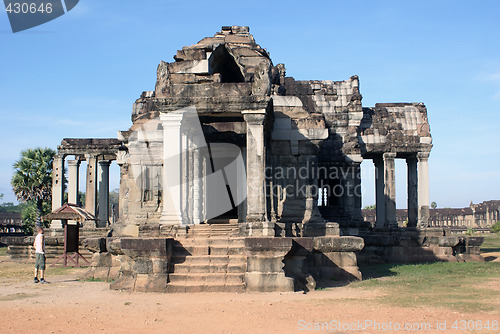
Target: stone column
x=57 y=187
x=205 y=171
x=348 y=194
x=242 y=188
x=358 y=200
x=356 y=174
x=186 y=173
x=256 y=158
x=379 y=192
x=91 y=188
x=390 y=190
x=172 y=173
x=73 y=181
x=103 y=215
x=423 y=188
x=197 y=175
x=412 y=191
x=123 y=196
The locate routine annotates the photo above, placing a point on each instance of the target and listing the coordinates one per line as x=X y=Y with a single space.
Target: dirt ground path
x=66 y=305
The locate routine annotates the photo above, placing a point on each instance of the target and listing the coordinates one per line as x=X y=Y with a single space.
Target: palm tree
x=32 y=180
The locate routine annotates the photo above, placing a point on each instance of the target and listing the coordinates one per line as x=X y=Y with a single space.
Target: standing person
x=39 y=246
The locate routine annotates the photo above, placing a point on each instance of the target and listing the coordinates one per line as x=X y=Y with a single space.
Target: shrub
x=470 y=231
x=495 y=228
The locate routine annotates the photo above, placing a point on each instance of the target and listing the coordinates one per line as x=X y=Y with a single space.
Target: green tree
x=370 y=207
x=114 y=196
x=29 y=216
x=81 y=198
x=495 y=228
x=32 y=182
x=434 y=205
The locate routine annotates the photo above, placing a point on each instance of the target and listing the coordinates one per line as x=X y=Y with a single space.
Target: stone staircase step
x=208 y=287
x=237 y=259
x=211 y=230
x=236 y=251
x=235 y=288
x=208 y=259
x=191 y=250
x=202 y=278
x=208 y=250
x=237 y=268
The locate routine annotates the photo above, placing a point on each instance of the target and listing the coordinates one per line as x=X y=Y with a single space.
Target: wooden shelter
x=72 y=217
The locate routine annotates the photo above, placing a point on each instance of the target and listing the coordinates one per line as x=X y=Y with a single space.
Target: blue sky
x=77 y=76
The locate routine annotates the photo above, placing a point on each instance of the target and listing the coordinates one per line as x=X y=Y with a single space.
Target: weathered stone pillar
x=412 y=191
x=348 y=193
x=423 y=188
x=91 y=189
x=390 y=190
x=172 y=173
x=355 y=181
x=197 y=175
x=379 y=192
x=57 y=187
x=488 y=221
x=185 y=177
x=103 y=215
x=73 y=180
x=242 y=188
x=256 y=192
x=358 y=197
x=123 y=197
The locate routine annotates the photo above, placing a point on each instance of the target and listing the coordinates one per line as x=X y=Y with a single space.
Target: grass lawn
x=491 y=243
x=458 y=286
x=3 y=251
x=24 y=271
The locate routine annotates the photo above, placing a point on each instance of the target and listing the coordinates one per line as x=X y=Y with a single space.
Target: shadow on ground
x=377 y=270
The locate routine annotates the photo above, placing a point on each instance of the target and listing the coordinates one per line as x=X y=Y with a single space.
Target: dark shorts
x=40 y=261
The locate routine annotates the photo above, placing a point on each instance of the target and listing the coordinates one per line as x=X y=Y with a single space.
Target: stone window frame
x=151 y=183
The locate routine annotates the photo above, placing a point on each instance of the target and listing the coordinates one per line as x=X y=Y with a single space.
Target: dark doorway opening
x=222 y=62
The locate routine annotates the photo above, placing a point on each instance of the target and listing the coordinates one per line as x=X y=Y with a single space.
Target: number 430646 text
x=28 y=8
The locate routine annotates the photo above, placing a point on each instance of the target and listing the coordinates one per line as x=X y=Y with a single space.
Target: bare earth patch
x=67 y=304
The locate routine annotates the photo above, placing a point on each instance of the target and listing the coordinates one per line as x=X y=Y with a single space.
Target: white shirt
x=39 y=244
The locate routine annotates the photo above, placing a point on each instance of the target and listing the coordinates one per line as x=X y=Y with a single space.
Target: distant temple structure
x=11 y=223
x=475 y=216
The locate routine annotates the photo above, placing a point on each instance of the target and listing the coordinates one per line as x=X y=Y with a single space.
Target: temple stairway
x=210 y=258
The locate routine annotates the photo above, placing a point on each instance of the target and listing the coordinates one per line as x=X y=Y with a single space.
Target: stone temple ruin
x=235 y=177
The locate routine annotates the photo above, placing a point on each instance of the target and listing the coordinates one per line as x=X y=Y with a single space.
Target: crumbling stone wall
x=396 y=127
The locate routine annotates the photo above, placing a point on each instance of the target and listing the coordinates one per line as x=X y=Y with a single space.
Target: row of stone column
x=448 y=221
x=418 y=190
x=97 y=186
x=11 y=229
